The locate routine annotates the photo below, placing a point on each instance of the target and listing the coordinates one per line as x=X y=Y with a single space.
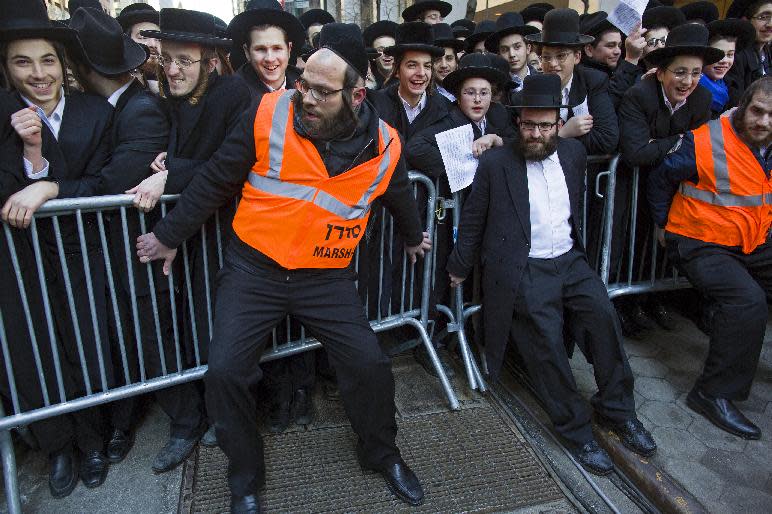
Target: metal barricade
x=76 y=238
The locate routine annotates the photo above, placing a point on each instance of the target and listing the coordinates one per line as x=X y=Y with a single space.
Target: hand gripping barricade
x=395 y=294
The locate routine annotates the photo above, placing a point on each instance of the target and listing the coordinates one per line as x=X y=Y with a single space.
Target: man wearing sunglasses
x=309 y=163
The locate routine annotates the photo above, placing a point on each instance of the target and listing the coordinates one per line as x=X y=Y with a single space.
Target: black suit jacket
x=389 y=107
x=620 y=79
x=746 y=69
x=256 y=86
x=496 y=226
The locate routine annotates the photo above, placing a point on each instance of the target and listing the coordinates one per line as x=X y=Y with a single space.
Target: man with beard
x=135 y=18
x=712 y=197
x=535 y=271
x=309 y=163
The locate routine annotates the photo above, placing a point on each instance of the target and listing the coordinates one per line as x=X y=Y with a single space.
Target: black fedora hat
x=700 y=11
x=662 y=16
x=266 y=12
x=501 y=64
x=316 y=16
x=379 y=29
x=187 y=26
x=29 y=20
x=462 y=27
x=561 y=28
x=345 y=39
x=415 y=36
x=138 y=13
x=414 y=11
x=742 y=30
x=103 y=44
x=481 y=32
x=741 y=8
x=536 y=12
x=443 y=37
x=507 y=24
x=595 y=24
x=474 y=65
x=541 y=91
x=688 y=39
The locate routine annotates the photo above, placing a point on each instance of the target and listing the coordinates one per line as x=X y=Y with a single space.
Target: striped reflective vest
x=731 y=203
x=291 y=209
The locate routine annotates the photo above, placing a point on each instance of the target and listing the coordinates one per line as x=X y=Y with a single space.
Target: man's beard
x=341 y=124
x=537 y=149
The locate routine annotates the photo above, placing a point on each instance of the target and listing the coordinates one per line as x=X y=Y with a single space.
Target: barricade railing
x=78 y=282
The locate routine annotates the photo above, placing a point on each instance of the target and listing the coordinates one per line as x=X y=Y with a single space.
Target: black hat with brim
x=187 y=26
x=474 y=65
x=705 y=11
x=663 y=16
x=739 y=8
x=596 y=24
x=688 y=39
x=535 y=13
x=103 y=45
x=379 y=29
x=414 y=11
x=481 y=32
x=742 y=30
x=461 y=32
x=29 y=20
x=561 y=28
x=508 y=24
x=138 y=13
x=414 y=36
x=314 y=17
x=463 y=22
x=443 y=37
x=241 y=25
x=541 y=91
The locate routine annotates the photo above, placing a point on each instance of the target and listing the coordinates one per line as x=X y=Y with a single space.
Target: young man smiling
x=754 y=61
x=448 y=63
x=508 y=41
x=380 y=36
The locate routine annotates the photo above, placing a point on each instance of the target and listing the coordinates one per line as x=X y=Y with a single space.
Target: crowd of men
x=274 y=128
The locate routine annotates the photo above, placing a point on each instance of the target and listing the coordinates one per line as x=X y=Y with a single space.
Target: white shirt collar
x=54 y=121
x=447 y=94
x=411 y=111
x=551 y=157
x=113 y=99
x=567 y=90
x=283 y=85
x=482 y=125
x=672 y=108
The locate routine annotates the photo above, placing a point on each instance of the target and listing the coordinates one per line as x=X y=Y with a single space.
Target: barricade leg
x=452 y=399
x=10 y=478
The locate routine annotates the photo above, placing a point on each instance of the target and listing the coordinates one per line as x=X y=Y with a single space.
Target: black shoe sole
x=692 y=404
x=67 y=490
x=594 y=471
x=402 y=497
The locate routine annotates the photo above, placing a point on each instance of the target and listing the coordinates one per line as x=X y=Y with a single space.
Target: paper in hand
x=456 y=149
x=582 y=109
x=627 y=15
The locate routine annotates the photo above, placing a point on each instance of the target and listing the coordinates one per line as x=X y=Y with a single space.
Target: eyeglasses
x=684 y=74
x=529 y=126
x=471 y=93
x=655 y=42
x=763 y=18
x=320 y=95
x=381 y=49
x=181 y=63
x=560 y=58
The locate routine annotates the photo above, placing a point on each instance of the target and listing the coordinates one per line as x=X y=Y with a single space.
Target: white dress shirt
x=518 y=80
x=447 y=94
x=550 y=209
x=672 y=108
x=482 y=125
x=281 y=88
x=54 y=122
x=411 y=111
x=113 y=98
x=565 y=92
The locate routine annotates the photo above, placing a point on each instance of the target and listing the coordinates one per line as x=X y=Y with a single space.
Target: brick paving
x=726 y=473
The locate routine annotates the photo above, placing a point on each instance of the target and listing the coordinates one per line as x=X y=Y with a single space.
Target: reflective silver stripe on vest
x=725 y=199
x=720 y=170
x=279 y=124
x=279 y=188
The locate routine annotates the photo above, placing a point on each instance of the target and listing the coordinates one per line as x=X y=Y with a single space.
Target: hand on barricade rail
x=420 y=249
x=149 y=248
x=455 y=281
x=21 y=206
x=149 y=191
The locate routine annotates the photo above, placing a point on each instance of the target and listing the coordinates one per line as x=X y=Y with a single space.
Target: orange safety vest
x=291 y=209
x=731 y=203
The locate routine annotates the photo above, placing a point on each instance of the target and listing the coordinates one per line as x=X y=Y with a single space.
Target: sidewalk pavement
x=726 y=473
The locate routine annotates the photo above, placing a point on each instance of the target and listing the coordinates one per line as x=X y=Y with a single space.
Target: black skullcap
x=345 y=39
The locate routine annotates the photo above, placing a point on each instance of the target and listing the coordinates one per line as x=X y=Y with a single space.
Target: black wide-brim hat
x=314 y=16
x=481 y=32
x=541 y=91
x=103 y=44
x=535 y=12
x=474 y=65
x=595 y=24
x=739 y=8
x=688 y=39
x=379 y=29
x=414 y=36
x=705 y=11
x=138 y=13
x=29 y=20
x=412 y=12
x=187 y=26
x=443 y=37
x=463 y=22
x=561 y=28
x=507 y=24
x=663 y=16
x=743 y=30
x=241 y=25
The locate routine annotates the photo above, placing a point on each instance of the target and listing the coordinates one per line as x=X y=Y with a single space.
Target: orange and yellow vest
x=291 y=209
x=731 y=203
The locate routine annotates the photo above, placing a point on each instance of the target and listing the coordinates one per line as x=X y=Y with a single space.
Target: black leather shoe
x=209 y=439
x=119 y=445
x=174 y=453
x=303 y=407
x=594 y=459
x=245 y=504
x=722 y=413
x=279 y=417
x=403 y=483
x=662 y=316
x=640 y=318
x=331 y=391
x=629 y=329
x=63 y=474
x=93 y=468
x=633 y=435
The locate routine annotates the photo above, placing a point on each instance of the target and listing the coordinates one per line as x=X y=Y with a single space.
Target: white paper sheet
x=626 y=15
x=581 y=109
x=456 y=150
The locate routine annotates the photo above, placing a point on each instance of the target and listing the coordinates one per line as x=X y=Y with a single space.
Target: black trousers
x=251 y=300
x=740 y=285
x=550 y=288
